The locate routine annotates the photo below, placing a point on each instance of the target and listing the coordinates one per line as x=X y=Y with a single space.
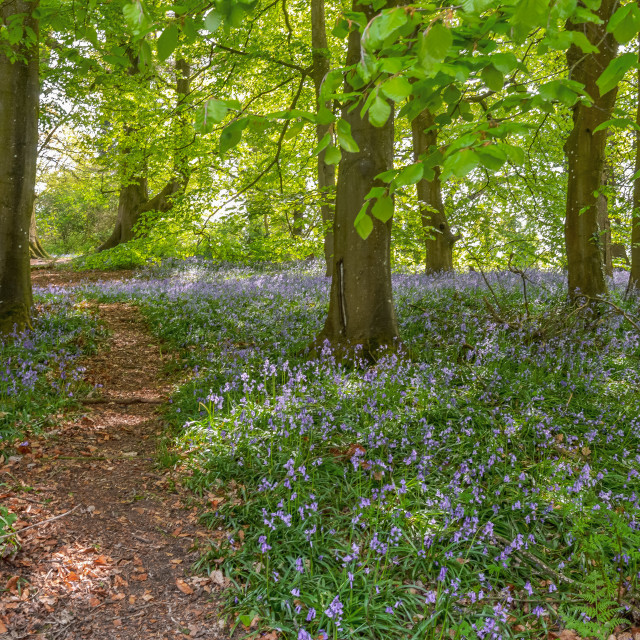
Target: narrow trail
x=117 y=566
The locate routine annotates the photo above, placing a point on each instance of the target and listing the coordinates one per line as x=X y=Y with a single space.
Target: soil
x=116 y=562
x=42 y=274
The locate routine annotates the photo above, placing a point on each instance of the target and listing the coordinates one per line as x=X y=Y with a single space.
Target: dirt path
x=117 y=566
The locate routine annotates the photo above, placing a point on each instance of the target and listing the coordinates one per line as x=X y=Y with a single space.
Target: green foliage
x=6 y=520
x=523 y=432
x=76 y=211
x=40 y=374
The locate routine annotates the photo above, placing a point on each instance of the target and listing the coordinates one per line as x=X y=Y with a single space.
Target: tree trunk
x=439 y=240
x=36 y=250
x=361 y=310
x=19 y=96
x=634 y=276
x=134 y=196
x=326 y=172
x=604 y=224
x=585 y=152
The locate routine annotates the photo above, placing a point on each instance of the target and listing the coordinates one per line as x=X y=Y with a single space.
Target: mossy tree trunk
x=19 y=96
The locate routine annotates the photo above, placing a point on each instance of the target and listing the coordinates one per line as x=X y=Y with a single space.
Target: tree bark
x=585 y=152
x=36 y=250
x=439 y=240
x=634 y=276
x=361 y=311
x=19 y=96
x=326 y=172
x=134 y=195
x=604 y=224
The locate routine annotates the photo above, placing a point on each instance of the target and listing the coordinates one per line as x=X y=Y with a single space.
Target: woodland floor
x=115 y=564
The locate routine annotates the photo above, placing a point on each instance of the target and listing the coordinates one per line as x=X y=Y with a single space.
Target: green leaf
x=331 y=83
x=387 y=176
x=615 y=71
x=435 y=44
x=492 y=157
x=528 y=15
x=341 y=30
x=618 y=123
x=560 y=90
x=322 y=145
x=333 y=155
x=168 y=42
x=409 y=175
x=211 y=113
x=294 y=130
x=379 y=112
x=363 y=223
x=383 y=208
x=625 y=23
x=504 y=62
x=212 y=21
x=382 y=26
x=343 y=131
x=493 y=78
x=460 y=163
x=515 y=154
x=397 y=88
x=232 y=134
x=135 y=17
x=215 y=110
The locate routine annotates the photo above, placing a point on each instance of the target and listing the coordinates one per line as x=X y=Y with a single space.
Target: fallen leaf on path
x=3 y=628
x=94 y=602
x=12 y=584
x=72 y=577
x=183 y=586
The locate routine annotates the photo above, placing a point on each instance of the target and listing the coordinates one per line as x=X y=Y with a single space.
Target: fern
x=601 y=612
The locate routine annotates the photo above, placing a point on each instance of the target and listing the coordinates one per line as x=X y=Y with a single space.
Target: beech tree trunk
x=36 y=250
x=19 y=96
x=585 y=152
x=634 y=276
x=604 y=224
x=361 y=310
x=326 y=172
x=134 y=195
x=439 y=240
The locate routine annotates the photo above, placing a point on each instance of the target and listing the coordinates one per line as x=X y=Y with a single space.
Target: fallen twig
x=618 y=310
x=38 y=524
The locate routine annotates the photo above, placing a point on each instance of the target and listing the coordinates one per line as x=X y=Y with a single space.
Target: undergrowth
x=479 y=483
x=40 y=369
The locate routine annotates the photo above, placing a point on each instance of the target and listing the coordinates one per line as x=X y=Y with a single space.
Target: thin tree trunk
x=19 y=96
x=634 y=276
x=326 y=172
x=585 y=152
x=134 y=196
x=361 y=310
x=439 y=240
x=604 y=224
x=36 y=250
